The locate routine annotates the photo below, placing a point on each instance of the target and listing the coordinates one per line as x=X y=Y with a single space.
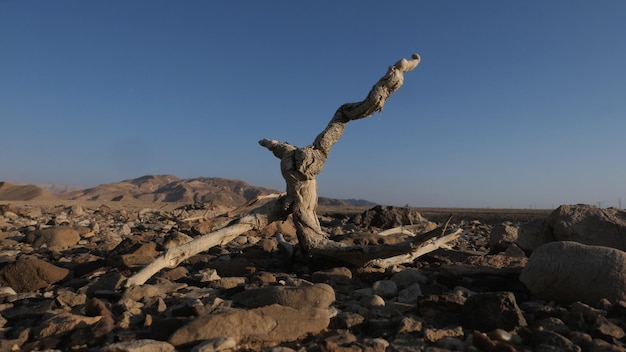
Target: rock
x=139 y=346
x=63 y=323
x=385 y=217
x=287 y=228
x=605 y=328
x=410 y=294
x=434 y=335
x=569 y=272
x=139 y=255
x=441 y=310
x=339 y=275
x=408 y=277
x=385 y=288
x=30 y=274
x=54 y=238
x=586 y=224
x=305 y=296
x=543 y=340
x=71 y=299
x=214 y=345
x=347 y=320
x=272 y=324
x=372 y=301
x=501 y=237
x=492 y=310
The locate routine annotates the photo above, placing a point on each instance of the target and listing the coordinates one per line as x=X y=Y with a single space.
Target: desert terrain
x=65 y=259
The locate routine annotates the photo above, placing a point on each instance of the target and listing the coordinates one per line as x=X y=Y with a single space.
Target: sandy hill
x=10 y=191
x=169 y=188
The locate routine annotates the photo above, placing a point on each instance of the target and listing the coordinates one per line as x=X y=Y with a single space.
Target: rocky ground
x=530 y=281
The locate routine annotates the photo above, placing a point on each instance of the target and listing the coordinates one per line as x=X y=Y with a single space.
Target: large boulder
x=569 y=272
x=581 y=223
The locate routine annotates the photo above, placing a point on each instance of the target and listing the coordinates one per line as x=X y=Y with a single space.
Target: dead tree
x=299 y=167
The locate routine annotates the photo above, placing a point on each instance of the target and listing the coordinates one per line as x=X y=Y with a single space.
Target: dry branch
x=299 y=166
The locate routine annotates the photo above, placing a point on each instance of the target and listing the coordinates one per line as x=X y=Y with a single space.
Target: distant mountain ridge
x=170 y=188
x=164 y=188
x=10 y=191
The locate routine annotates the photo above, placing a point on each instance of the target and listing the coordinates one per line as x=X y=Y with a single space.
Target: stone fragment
x=140 y=255
x=144 y=345
x=53 y=238
x=71 y=299
x=216 y=344
x=408 y=277
x=304 y=296
x=63 y=323
x=372 y=301
x=385 y=288
x=603 y=327
x=501 y=237
x=434 y=335
x=273 y=324
x=137 y=293
x=30 y=274
x=347 y=320
x=409 y=325
x=492 y=310
x=227 y=283
x=410 y=294
x=569 y=272
x=338 y=275
x=441 y=310
x=551 y=341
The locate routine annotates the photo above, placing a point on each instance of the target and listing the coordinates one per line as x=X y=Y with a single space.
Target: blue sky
x=515 y=104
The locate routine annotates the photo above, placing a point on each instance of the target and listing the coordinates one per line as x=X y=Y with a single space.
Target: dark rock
x=305 y=296
x=54 y=238
x=493 y=310
x=30 y=274
x=501 y=237
x=549 y=339
x=569 y=272
x=441 y=310
x=387 y=217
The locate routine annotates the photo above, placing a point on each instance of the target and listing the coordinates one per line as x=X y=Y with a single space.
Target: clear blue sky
x=515 y=103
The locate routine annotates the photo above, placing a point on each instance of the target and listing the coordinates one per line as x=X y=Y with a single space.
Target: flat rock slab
x=273 y=324
x=306 y=296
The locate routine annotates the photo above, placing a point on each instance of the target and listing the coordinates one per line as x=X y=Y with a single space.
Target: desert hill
x=157 y=188
x=10 y=191
x=169 y=188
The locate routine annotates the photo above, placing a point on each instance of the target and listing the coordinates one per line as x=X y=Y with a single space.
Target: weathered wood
x=299 y=166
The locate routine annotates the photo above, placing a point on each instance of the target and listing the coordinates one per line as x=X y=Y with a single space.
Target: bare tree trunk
x=299 y=166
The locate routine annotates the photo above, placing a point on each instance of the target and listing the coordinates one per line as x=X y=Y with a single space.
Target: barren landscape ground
x=64 y=265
